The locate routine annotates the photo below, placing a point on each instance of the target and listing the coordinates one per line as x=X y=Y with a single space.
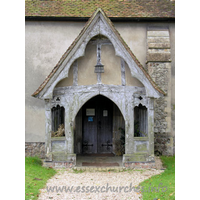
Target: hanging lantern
x=99 y=68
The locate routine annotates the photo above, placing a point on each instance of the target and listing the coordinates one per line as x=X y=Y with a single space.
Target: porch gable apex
x=98 y=24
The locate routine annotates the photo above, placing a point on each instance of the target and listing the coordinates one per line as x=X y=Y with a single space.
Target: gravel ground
x=101 y=181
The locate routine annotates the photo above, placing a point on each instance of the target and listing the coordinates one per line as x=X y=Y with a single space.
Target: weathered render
x=72 y=98
x=123 y=82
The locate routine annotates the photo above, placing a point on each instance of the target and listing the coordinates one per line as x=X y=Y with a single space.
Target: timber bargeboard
x=97 y=25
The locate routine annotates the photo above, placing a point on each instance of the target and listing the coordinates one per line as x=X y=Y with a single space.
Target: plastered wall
x=47 y=41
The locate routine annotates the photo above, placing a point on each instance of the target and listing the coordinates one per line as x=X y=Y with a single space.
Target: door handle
x=106 y=144
x=88 y=144
x=85 y=143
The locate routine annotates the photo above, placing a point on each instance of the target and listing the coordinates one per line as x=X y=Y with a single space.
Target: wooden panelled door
x=97 y=125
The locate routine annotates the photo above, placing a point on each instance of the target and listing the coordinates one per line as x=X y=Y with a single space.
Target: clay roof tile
x=85 y=8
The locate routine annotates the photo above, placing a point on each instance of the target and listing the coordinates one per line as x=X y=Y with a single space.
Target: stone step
x=99 y=169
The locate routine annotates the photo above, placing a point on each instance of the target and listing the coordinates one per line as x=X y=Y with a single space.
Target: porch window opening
x=58 y=121
x=140 y=121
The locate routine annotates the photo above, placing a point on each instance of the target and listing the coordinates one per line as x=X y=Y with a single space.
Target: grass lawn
x=36 y=177
x=166 y=181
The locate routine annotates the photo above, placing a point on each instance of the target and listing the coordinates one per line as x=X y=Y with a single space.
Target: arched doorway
x=98 y=130
x=97 y=119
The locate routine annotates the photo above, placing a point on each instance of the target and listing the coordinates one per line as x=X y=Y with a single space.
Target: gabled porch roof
x=99 y=19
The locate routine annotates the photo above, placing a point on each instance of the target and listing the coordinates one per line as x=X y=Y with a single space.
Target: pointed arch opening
x=99 y=128
x=58 y=121
x=140 y=121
